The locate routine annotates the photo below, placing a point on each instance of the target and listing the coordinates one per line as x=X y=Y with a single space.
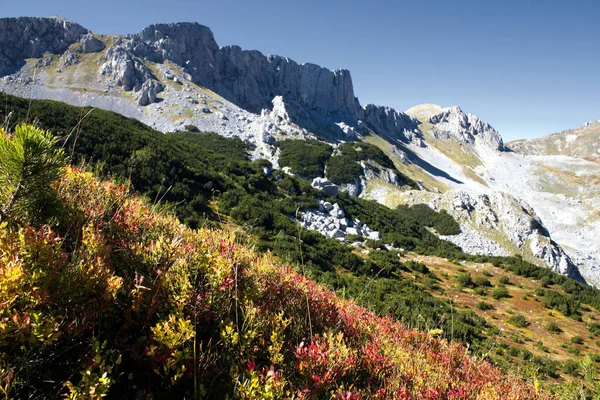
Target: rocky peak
x=466 y=127
x=29 y=37
x=390 y=122
x=181 y=43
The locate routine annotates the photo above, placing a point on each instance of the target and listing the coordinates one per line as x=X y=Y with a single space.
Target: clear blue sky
x=529 y=67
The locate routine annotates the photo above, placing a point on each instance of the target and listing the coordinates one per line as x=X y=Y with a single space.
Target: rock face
x=466 y=127
x=25 y=37
x=248 y=78
x=89 y=44
x=509 y=217
x=388 y=121
x=148 y=91
x=307 y=95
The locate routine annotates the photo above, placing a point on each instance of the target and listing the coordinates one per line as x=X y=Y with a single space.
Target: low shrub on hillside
x=500 y=293
x=519 y=321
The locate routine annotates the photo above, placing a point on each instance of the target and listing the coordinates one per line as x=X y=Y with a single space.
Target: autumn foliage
x=113 y=298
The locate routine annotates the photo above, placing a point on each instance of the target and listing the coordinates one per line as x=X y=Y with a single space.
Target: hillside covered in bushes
x=208 y=181
x=103 y=295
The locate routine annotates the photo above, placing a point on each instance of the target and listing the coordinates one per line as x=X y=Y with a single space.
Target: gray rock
x=27 y=37
x=466 y=127
x=69 y=59
x=90 y=44
x=45 y=61
x=387 y=121
x=327 y=187
x=127 y=71
x=148 y=92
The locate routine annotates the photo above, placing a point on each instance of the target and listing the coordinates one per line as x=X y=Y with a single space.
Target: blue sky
x=528 y=67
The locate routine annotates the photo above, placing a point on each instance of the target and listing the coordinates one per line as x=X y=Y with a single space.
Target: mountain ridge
x=174 y=75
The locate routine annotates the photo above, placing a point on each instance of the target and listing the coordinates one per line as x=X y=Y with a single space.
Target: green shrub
x=29 y=163
x=504 y=280
x=464 y=280
x=519 y=321
x=417 y=266
x=594 y=328
x=566 y=304
x=545 y=281
x=482 y=281
x=191 y=128
x=484 y=306
x=306 y=158
x=553 y=327
x=576 y=340
x=500 y=293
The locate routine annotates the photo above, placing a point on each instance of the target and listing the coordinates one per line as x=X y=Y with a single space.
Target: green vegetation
x=484 y=306
x=500 y=292
x=576 y=340
x=519 y=321
x=565 y=304
x=306 y=158
x=344 y=166
x=30 y=162
x=110 y=298
x=465 y=280
x=553 y=327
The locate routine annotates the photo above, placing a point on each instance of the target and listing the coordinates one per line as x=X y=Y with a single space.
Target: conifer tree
x=29 y=163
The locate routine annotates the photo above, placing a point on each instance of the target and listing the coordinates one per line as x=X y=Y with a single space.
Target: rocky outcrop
x=249 y=78
x=89 y=44
x=308 y=95
x=387 y=121
x=512 y=218
x=327 y=187
x=330 y=220
x=130 y=72
x=127 y=71
x=499 y=224
x=467 y=128
x=26 y=37
x=148 y=91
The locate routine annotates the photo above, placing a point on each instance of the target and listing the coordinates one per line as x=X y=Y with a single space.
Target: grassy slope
x=512 y=340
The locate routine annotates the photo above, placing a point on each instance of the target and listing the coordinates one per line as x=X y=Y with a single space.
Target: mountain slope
x=582 y=142
x=130 y=303
x=207 y=180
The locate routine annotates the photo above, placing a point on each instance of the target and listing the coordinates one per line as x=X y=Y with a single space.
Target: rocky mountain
x=172 y=76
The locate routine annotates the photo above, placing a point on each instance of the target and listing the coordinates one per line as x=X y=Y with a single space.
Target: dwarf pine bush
x=29 y=163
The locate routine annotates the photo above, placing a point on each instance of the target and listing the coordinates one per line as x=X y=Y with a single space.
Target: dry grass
x=538 y=316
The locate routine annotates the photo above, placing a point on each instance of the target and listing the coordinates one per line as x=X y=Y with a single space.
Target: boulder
x=148 y=92
x=90 y=44
x=326 y=186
